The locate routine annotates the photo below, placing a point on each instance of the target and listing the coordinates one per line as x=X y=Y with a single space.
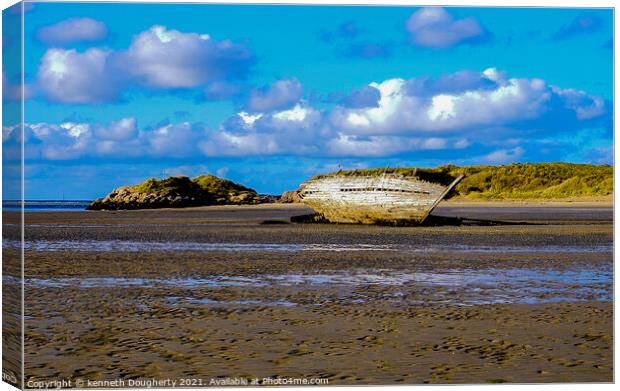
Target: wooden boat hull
x=383 y=199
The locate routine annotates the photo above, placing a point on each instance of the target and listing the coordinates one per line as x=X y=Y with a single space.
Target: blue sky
x=271 y=95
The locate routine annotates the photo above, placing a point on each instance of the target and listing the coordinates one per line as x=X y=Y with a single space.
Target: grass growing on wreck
x=436 y=175
x=514 y=181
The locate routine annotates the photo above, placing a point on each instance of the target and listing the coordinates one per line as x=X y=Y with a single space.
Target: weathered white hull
x=373 y=199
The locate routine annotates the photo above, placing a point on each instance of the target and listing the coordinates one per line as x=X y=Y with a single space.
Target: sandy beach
x=225 y=292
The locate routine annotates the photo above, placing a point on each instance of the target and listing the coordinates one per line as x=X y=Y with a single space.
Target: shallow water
x=454 y=286
x=46 y=205
x=145 y=246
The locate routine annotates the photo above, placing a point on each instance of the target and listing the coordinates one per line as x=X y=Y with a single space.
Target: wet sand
x=237 y=292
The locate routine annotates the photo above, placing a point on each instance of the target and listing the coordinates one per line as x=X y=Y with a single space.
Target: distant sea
x=46 y=205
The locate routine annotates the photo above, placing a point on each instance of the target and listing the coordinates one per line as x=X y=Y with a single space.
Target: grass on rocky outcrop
x=220 y=187
x=182 y=185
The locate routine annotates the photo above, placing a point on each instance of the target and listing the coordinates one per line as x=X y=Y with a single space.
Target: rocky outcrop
x=290 y=197
x=179 y=192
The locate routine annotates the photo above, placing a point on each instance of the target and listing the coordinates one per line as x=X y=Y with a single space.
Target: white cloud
x=296 y=130
x=157 y=58
x=174 y=140
x=451 y=112
x=296 y=114
x=493 y=100
x=375 y=146
x=118 y=140
x=162 y=58
x=442 y=107
x=75 y=130
x=251 y=144
x=249 y=119
x=434 y=143
x=299 y=121
x=71 y=77
x=504 y=155
x=435 y=27
x=472 y=111
x=584 y=105
x=392 y=98
x=62 y=142
x=73 y=30
x=123 y=129
x=281 y=94
x=461 y=143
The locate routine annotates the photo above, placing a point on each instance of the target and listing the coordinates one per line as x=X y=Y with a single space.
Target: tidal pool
x=455 y=286
x=150 y=246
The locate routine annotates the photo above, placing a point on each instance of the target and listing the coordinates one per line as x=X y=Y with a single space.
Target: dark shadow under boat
x=430 y=221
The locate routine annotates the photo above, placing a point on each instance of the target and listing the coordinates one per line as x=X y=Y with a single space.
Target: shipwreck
x=394 y=196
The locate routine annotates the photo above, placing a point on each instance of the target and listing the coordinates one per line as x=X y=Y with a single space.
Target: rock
x=290 y=197
x=242 y=198
x=96 y=204
x=265 y=199
x=179 y=192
